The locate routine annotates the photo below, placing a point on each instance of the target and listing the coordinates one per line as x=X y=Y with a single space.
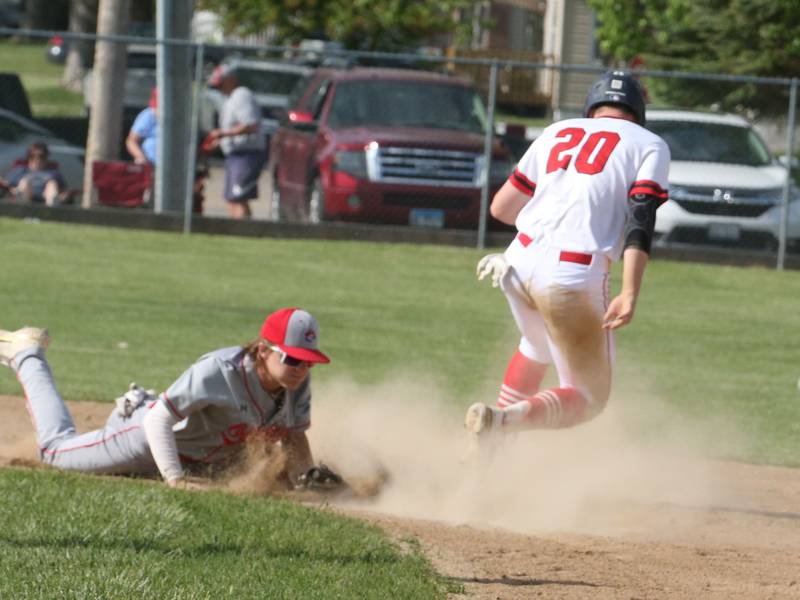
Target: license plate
x=426 y=217
x=727 y=232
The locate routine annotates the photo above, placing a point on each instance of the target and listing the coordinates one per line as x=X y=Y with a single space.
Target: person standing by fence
x=241 y=139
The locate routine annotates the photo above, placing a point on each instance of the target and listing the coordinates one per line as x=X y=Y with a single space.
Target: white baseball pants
x=558 y=299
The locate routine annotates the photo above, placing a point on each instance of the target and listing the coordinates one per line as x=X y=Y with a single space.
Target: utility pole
x=174 y=77
x=108 y=79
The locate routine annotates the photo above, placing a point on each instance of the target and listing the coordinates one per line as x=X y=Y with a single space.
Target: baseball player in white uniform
x=203 y=418
x=583 y=195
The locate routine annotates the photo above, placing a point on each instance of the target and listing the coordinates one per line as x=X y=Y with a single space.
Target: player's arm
x=511 y=198
x=157 y=424
x=621 y=308
x=643 y=201
x=641 y=223
x=298 y=454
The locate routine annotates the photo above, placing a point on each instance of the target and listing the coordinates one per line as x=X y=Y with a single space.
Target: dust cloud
x=602 y=477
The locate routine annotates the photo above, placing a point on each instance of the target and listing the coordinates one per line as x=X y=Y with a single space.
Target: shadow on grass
x=203 y=551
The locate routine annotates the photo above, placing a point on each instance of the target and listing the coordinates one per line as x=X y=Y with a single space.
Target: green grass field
x=71 y=536
x=41 y=79
x=717 y=345
x=133 y=305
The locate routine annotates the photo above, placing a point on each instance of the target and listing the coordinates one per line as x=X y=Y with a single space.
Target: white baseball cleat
x=482 y=419
x=14 y=342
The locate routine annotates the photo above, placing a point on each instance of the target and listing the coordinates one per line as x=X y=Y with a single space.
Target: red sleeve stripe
x=645 y=186
x=522 y=183
x=172 y=408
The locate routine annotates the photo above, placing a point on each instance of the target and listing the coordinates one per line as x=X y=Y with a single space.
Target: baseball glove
x=133 y=399
x=321 y=479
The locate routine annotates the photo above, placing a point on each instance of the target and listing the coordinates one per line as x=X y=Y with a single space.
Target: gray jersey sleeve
x=201 y=385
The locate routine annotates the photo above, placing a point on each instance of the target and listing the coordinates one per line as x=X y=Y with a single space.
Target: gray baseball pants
x=118 y=447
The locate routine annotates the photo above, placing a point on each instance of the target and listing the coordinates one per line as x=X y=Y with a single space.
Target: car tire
x=316 y=202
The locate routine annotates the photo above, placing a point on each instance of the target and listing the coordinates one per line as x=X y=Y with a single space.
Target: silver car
x=725 y=186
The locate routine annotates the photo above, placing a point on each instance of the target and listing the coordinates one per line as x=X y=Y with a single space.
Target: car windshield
x=280 y=83
x=407 y=104
x=695 y=141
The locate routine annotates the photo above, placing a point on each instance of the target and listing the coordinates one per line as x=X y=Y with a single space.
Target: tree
x=385 y=25
x=734 y=37
x=82 y=19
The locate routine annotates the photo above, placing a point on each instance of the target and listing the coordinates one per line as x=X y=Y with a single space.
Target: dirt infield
x=555 y=515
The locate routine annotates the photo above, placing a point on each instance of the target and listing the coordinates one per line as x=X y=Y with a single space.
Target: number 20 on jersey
x=590 y=153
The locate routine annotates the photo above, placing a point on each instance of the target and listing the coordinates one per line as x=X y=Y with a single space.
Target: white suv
x=725 y=187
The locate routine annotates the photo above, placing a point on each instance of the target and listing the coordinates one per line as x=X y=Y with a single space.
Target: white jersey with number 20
x=579 y=174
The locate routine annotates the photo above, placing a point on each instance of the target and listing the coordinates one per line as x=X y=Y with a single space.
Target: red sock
x=521 y=381
x=556 y=408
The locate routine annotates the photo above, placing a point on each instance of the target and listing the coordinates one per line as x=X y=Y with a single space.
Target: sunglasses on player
x=289 y=361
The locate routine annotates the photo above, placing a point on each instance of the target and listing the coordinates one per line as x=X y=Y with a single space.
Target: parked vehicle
x=140 y=79
x=385 y=146
x=725 y=187
x=17 y=133
x=11 y=13
x=55 y=50
x=13 y=96
x=271 y=82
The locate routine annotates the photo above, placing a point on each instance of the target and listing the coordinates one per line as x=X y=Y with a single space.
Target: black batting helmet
x=617 y=87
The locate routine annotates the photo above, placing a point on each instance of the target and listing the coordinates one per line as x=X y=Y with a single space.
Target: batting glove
x=494 y=265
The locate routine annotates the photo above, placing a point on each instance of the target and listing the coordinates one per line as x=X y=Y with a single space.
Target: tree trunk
x=82 y=19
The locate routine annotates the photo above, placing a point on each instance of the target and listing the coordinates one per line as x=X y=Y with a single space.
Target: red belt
x=576 y=257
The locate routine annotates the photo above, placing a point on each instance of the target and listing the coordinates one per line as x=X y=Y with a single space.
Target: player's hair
x=251 y=348
x=620 y=89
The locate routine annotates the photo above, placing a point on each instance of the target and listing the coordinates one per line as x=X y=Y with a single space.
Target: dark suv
x=383 y=145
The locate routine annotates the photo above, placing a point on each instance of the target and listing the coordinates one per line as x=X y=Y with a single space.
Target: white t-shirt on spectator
x=240 y=108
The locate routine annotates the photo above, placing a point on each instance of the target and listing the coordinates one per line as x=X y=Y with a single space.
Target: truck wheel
x=316 y=202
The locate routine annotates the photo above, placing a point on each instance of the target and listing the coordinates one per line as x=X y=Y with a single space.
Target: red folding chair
x=119 y=183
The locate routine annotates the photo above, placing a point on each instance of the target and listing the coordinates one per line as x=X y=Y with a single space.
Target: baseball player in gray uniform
x=203 y=418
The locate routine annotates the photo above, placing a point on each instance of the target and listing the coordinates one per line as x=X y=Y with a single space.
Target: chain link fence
x=410 y=140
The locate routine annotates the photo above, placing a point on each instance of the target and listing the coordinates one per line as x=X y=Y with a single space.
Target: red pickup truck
x=384 y=145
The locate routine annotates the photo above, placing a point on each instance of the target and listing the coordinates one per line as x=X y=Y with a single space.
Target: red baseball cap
x=294 y=331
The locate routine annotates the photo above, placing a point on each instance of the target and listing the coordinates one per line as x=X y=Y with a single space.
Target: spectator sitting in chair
x=142 y=140
x=37 y=180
